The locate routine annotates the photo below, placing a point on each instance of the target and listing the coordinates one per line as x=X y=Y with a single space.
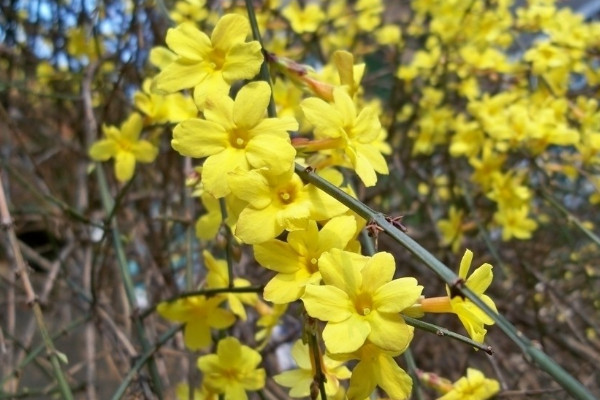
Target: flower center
x=217 y=58
x=311 y=264
x=238 y=138
x=363 y=304
x=286 y=194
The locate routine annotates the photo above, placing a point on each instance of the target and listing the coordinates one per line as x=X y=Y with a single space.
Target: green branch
x=570 y=384
x=108 y=204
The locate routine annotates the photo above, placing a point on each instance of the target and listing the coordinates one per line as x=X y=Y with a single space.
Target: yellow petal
x=465 y=264
x=132 y=127
x=397 y=295
x=219 y=109
x=277 y=256
x=323 y=116
x=275 y=126
x=242 y=62
x=393 y=379
x=230 y=29
x=271 y=151
x=480 y=279
x=199 y=138
x=345 y=105
x=389 y=331
x=196 y=335
x=144 y=151
x=337 y=233
x=373 y=156
x=251 y=187
x=216 y=167
x=180 y=75
x=346 y=336
x=124 y=166
x=189 y=42
x=363 y=167
x=250 y=104
x=327 y=303
x=258 y=226
x=342 y=270
x=104 y=149
x=367 y=125
x=378 y=271
x=363 y=381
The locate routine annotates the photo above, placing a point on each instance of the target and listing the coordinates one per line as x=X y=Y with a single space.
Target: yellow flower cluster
x=305 y=236
x=506 y=103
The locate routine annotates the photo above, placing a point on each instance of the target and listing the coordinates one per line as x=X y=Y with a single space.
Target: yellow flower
x=474 y=386
x=210 y=65
x=471 y=316
x=369 y=14
x=360 y=301
x=277 y=203
x=182 y=392
x=218 y=277
x=232 y=370
x=515 y=222
x=451 y=228
x=161 y=109
x=199 y=315
x=304 y=20
x=299 y=380
x=296 y=260
x=235 y=135
x=376 y=367
x=354 y=134
x=189 y=11
x=269 y=318
x=125 y=146
x=79 y=44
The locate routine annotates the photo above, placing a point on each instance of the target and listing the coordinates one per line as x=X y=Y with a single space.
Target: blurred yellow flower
x=474 y=386
x=199 y=314
x=300 y=379
x=124 y=145
x=233 y=370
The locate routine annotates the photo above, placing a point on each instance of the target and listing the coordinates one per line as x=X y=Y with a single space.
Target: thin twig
x=571 y=385
x=32 y=300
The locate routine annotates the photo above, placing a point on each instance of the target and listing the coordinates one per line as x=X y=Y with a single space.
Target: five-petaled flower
x=125 y=146
x=297 y=260
x=355 y=136
x=360 y=301
x=235 y=135
x=472 y=317
x=199 y=314
x=300 y=379
x=210 y=65
x=232 y=370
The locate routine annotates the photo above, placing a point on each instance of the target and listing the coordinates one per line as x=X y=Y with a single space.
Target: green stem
x=570 y=217
x=412 y=370
x=570 y=384
x=228 y=242
x=33 y=354
x=108 y=204
x=264 y=68
x=438 y=330
x=313 y=344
